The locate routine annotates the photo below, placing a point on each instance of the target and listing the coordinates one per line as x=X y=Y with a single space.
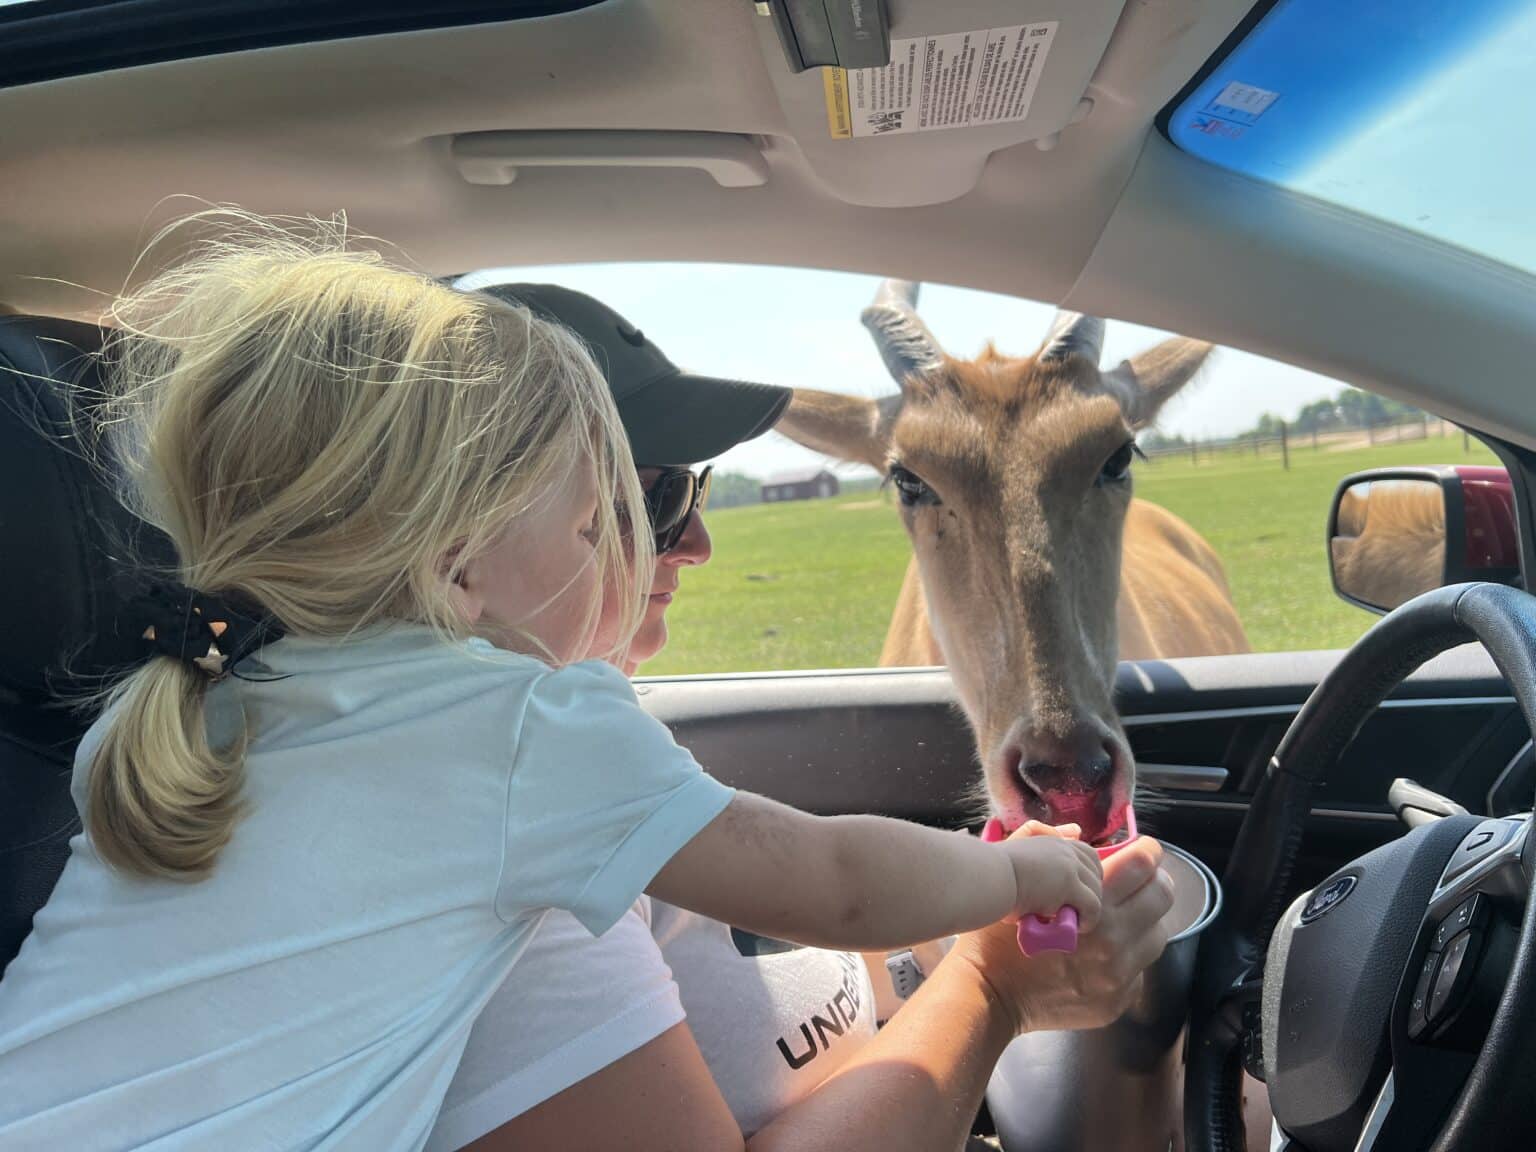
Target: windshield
x=1414 y=112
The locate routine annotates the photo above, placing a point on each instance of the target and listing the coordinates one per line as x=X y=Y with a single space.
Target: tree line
x=1349 y=409
x=732 y=489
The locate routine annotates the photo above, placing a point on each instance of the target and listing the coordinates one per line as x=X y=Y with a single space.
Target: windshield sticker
x=1213 y=126
x=958 y=80
x=1241 y=103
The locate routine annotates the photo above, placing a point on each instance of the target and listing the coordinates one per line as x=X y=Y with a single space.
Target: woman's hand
x=1094 y=985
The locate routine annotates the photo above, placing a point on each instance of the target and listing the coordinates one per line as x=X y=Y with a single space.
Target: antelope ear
x=847 y=427
x=1147 y=382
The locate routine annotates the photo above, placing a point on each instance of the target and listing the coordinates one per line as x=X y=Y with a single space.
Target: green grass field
x=811 y=585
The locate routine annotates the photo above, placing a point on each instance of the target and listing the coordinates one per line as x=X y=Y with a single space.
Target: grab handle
x=495 y=157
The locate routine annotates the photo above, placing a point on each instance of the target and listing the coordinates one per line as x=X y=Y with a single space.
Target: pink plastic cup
x=1056 y=933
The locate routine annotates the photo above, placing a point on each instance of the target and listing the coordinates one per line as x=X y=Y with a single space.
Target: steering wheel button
x=1448 y=983
x=1470 y=913
x=1479 y=843
x=1418 y=1010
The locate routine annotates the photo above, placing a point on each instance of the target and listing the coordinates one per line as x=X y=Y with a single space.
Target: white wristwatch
x=906 y=972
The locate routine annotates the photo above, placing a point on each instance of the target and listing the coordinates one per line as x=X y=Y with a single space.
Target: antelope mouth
x=1101 y=813
x=1100 y=832
x=1032 y=805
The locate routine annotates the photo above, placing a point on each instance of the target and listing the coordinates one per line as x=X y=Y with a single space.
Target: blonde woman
x=381 y=732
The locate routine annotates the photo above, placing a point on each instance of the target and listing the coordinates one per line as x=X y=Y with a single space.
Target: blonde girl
x=377 y=737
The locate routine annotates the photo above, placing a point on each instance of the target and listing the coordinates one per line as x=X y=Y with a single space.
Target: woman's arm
x=915 y=1087
x=866 y=882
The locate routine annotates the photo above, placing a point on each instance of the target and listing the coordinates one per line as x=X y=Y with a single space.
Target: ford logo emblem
x=1326 y=898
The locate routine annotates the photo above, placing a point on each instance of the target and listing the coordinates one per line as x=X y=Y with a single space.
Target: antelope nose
x=1078 y=762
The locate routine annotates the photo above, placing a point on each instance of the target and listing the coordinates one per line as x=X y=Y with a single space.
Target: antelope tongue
x=1086 y=810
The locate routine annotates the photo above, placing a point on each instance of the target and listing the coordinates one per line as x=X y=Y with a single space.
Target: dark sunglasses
x=671 y=501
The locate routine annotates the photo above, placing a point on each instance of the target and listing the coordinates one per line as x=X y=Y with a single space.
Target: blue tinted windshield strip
x=1313 y=72
x=1405 y=111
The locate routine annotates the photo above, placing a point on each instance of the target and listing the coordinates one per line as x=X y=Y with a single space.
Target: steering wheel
x=1393 y=1006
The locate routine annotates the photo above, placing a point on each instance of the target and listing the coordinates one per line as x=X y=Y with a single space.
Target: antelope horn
x=1073 y=334
x=905 y=344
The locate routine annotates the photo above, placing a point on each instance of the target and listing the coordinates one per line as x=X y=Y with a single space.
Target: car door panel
x=893 y=741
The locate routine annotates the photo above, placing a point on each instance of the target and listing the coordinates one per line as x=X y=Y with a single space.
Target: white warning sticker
x=958 y=80
x=1242 y=103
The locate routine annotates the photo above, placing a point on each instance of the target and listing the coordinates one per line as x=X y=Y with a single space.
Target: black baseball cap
x=672 y=417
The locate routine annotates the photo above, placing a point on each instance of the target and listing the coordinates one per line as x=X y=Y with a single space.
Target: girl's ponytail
x=162 y=801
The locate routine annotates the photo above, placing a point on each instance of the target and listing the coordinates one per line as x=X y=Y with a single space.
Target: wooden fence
x=1288 y=440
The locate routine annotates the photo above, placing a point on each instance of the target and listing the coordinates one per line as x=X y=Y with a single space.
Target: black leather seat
x=70 y=552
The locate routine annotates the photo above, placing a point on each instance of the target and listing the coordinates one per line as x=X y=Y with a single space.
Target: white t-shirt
x=412 y=810
x=772 y=1020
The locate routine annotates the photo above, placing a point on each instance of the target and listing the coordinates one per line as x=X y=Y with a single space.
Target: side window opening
x=810 y=552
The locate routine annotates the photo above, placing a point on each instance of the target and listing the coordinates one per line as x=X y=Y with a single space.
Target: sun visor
x=962 y=79
x=834 y=33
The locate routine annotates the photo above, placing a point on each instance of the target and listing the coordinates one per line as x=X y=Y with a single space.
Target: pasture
x=811 y=584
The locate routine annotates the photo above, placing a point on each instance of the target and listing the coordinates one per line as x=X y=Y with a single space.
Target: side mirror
x=1394 y=533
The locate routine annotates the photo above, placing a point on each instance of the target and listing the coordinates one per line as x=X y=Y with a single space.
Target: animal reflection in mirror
x=1388 y=544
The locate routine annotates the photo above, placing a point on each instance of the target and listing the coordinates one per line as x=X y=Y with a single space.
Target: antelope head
x=1014 y=480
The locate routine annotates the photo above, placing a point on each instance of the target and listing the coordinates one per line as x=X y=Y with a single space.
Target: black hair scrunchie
x=211 y=633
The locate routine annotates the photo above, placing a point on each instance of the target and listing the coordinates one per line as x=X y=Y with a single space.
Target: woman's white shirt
x=772 y=1020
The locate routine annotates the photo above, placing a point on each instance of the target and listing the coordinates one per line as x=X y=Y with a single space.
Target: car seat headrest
x=72 y=551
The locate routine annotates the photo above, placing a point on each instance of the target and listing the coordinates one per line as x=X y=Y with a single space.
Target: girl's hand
x=1052 y=869
x=1094 y=985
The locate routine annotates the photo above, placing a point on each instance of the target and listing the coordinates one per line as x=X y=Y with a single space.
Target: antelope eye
x=1117 y=469
x=912 y=488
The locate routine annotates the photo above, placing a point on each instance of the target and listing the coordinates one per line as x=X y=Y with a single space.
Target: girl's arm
x=865 y=882
x=914 y=1087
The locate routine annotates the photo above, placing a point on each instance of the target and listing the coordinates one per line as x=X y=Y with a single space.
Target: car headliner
x=1113 y=220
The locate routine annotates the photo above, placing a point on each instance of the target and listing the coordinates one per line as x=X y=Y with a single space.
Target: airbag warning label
x=958 y=80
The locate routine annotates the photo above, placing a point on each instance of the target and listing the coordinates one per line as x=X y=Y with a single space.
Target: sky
x=1402 y=112
x=1456 y=157
x=800 y=327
